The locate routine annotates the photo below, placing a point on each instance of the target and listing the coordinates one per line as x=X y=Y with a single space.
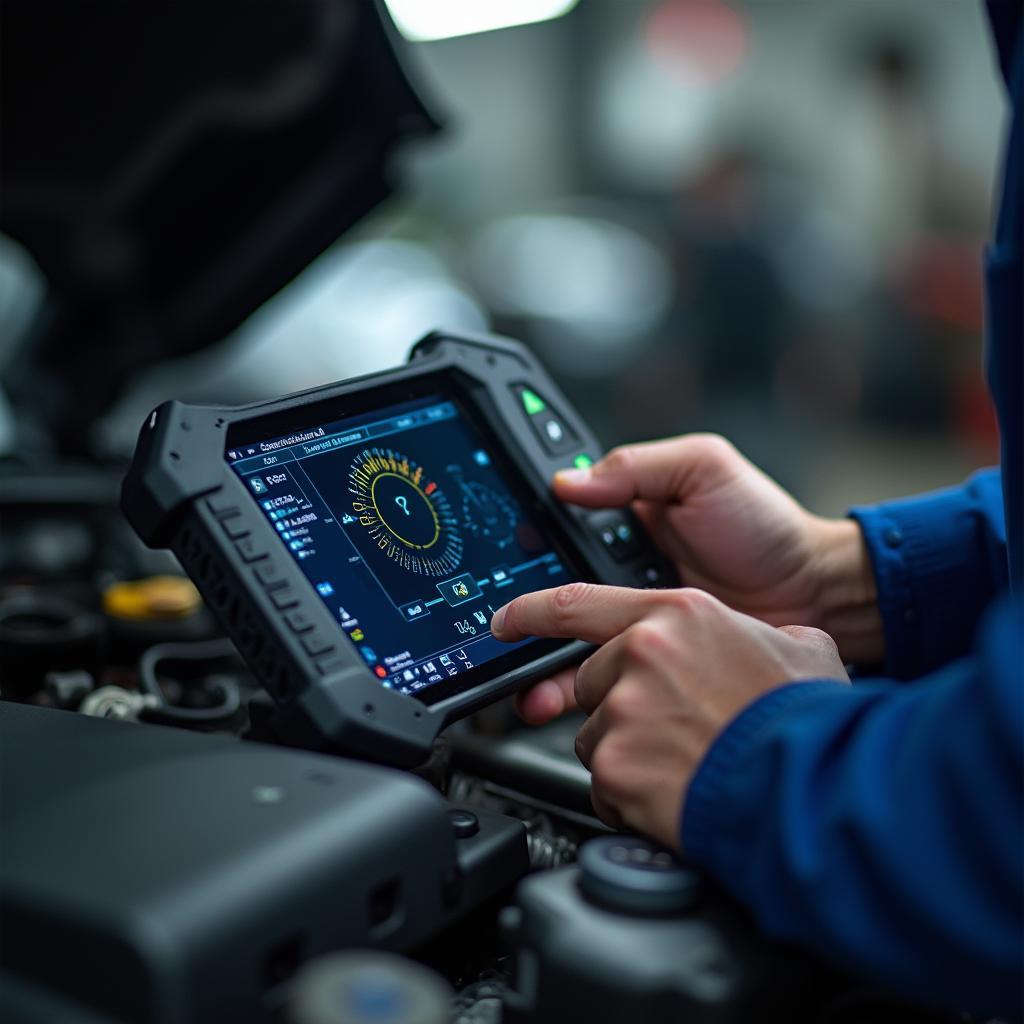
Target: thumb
x=660 y=471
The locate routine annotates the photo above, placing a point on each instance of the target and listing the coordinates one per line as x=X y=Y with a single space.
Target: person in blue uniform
x=880 y=823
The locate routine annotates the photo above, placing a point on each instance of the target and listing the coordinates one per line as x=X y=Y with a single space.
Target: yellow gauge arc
x=386 y=521
x=426 y=545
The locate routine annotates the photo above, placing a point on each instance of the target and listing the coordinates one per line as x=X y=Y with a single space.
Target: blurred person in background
x=881 y=824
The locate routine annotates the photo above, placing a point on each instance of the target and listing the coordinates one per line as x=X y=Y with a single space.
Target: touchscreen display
x=409 y=530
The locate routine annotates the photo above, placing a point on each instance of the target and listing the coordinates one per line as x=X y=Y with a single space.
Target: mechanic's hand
x=676 y=666
x=732 y=531
x=729 y=529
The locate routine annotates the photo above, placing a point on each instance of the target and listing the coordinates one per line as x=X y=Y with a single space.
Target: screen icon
x=459 y=590
x=324 y=589
x=445 y=660
x=481 y=458
x=258 y=485
x=414 y=610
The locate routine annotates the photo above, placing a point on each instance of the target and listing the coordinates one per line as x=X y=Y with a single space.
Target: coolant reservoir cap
x=631 y=873
x=153 y=598
x=368 y=988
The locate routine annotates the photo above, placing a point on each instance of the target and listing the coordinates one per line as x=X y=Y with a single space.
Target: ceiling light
x=441 y=19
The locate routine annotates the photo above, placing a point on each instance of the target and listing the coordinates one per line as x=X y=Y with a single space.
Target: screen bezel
x=474 y=406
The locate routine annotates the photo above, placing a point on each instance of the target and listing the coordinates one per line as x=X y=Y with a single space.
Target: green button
x=582 y=461
x=532 y=403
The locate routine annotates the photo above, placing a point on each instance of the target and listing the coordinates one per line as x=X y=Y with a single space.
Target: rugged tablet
x=355 y=539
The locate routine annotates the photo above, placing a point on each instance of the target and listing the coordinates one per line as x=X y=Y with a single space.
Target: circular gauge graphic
x=487 y=515
x=406 y=514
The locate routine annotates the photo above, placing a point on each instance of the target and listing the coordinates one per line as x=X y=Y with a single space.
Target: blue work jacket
x=883 y=824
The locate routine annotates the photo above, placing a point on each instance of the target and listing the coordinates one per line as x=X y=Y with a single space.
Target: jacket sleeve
x=883 y=823
x=939 y=561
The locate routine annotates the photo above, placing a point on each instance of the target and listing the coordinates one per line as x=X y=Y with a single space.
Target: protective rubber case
x=180 y=493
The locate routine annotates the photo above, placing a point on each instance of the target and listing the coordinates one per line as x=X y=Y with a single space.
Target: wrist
x=847 y=603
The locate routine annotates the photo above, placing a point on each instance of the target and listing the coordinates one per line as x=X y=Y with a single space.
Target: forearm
x=867 y=821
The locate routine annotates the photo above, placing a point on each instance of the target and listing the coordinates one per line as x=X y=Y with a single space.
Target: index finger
x=581 y=611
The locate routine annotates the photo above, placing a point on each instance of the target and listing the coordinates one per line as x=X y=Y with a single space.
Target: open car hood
x=171 y=165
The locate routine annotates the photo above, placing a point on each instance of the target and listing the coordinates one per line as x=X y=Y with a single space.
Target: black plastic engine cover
x=158 y=875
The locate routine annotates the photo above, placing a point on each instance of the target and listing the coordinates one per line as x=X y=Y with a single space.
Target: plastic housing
x=181 y=494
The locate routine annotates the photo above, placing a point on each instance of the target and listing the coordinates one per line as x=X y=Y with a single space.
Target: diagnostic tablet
x=355 y=540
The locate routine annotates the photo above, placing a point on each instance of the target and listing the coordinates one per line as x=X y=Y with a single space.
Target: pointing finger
x=582 y=611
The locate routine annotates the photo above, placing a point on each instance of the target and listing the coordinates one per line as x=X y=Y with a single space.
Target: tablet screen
x=411 y=527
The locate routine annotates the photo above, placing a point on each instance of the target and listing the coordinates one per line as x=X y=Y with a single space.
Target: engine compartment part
x=201 y=872
x=158 y=597
x=631 y=873
x=577 y=959
x=369 y=988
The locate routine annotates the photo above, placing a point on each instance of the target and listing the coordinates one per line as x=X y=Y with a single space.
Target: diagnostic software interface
x=408 y=531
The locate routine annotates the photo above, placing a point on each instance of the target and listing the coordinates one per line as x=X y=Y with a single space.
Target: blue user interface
x=403 y=524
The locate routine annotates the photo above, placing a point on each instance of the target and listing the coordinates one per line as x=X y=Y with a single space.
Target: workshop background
x=763 y=218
